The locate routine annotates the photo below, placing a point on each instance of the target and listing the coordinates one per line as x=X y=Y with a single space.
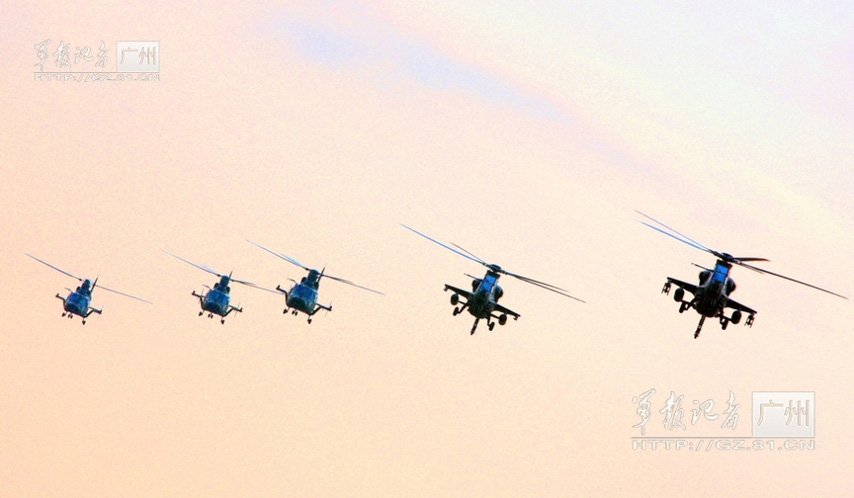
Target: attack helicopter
x=711 y=296
x=77 y=303
x=216 y=300
x=302 y=296
x=482 y=301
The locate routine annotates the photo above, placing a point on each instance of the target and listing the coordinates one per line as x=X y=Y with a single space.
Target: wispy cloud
x=346 y=38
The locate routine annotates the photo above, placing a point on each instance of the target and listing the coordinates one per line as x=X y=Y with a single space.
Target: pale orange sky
x=526 y=135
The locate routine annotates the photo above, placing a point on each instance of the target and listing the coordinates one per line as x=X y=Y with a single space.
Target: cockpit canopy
x=720 y=274
x=488 y=282
x=304 y=293
x=220 y=299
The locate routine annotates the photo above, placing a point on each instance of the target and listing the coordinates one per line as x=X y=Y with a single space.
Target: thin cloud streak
x=377 y=46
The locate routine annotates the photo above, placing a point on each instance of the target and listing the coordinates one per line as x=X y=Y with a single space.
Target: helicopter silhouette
x=482 y=301
x=302 y=296
x=712 y=294
x=216 y=300
x=78 y=301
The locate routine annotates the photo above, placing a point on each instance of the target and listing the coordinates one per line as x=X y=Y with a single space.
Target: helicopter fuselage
x=714 y=289
x=486 y=293
x=482 y=302
x=216 y=301
x=711 y=296
x=77 y=303
x=302 y=297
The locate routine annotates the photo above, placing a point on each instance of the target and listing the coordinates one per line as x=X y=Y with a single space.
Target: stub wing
x=502 y=309
x=463 y=293
x=683 y=285
x=466 y=295
x=738 y=306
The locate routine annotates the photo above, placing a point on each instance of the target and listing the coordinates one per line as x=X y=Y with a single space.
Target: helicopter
x=482 y=301
x=302 y=296
x=77 y=303
x=216 y=300
x=712 y=294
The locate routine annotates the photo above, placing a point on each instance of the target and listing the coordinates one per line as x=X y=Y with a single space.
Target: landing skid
x=489 y=323
x=296 y=312
x=460 y=309
x=222 y=317
x=699 y=327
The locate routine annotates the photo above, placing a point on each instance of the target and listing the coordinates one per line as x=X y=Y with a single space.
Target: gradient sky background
x=526 y=134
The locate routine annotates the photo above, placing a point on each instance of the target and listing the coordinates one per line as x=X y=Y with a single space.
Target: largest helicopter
x=482 y=301
x=78 y=301
x=711 y=296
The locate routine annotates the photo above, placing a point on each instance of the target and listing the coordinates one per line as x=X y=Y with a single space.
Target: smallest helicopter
x=77 y=302
x=302 y=296
x=216 y=300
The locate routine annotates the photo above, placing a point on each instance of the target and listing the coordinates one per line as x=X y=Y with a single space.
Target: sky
x=528 y=134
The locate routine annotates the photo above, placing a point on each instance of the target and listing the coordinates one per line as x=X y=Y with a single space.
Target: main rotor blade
x=126 y=295
x=543 y=285
x=283 y=256
x=684 y=238
x=445 y=246
x=344 y=281
x=254 y=286
x=692 y=244
x=55 y=268
x=200 y=267
x=760 y=270
x=532 y=281
x=469 y=253
x=549 y=288
x=740 y=262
